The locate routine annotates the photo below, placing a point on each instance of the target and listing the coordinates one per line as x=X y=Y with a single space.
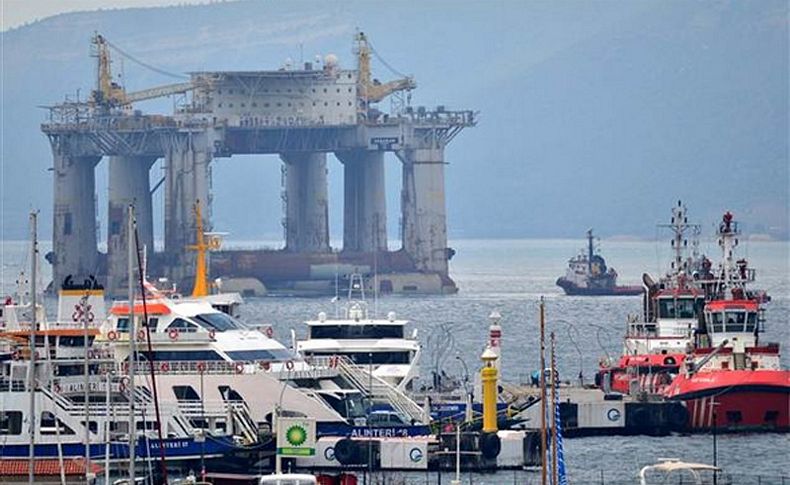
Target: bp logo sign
x=295 y=436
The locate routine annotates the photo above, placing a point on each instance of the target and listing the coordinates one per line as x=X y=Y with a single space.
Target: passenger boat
x=379 y=344
x=60 y=389
x=732 y=380
x=588 y=275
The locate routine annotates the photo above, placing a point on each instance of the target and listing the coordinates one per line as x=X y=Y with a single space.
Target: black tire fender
x=490 y=445
x=346 y=452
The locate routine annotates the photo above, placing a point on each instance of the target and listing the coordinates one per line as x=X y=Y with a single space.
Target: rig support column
x=423 y=209
x=306 y=202
x=187 y=181
x=128 y=184
x=365 y=207
x=74 y=249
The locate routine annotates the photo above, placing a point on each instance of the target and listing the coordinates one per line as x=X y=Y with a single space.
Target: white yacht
x=374 y=343
x=199 y=352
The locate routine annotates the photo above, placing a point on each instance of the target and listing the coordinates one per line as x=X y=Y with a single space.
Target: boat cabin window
x=679 y=307
x=10 y=422
x=751 y=321
x=356 y=331
x=182 y=325
x=260 y=354
x=734 y=321
x=229 y=394
x=374 y=358
x=152 y=324
x=123 y=323
x=186 y=393
x=180 y=355
x=47 y=425
x=220 y=321
x=717 y=319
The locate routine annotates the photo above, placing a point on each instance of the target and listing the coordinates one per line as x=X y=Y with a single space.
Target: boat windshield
x=220 y=321
x=679 y=307
x=356 y=331
x=733 y=321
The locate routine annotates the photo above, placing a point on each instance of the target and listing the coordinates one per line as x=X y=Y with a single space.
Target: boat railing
x=379 y=389
x=12 y=385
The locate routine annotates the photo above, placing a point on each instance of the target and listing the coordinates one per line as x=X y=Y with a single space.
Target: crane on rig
x=109 y=94
x=371 y=90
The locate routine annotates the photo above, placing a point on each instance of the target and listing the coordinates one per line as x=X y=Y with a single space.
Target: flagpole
x=542 y=392
x=553 y=414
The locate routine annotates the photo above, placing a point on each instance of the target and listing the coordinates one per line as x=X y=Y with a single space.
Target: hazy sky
x=18 y=12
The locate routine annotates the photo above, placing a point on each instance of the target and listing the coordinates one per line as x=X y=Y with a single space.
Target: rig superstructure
x=299 y=114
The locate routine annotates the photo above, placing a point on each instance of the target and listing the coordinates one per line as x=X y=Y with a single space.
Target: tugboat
x=587 y=275
x=655 y=345
x=731 y=379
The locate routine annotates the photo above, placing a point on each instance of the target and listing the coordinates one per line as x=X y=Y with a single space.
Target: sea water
x=510 y=276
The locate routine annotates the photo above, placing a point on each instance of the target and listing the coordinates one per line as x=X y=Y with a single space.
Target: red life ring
x=201 y=367
x=141 y=334
x=289 y=365
x=239 y=367
x=333 y=362
x=212 y=334
x=264 y=365
x=173 y=334
x=112 y=335
x=164 y=367
x=269 y=332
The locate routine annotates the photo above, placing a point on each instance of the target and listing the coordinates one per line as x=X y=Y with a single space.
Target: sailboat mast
x=554 y=412
x=86 y=394
x=141 y=277
x=33 y=327
x=542 y=392
x=132 y=344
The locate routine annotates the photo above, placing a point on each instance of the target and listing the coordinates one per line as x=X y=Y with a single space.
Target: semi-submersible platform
x=301 y=114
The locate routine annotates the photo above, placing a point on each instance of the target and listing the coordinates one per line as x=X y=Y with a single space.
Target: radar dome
x=330 y=60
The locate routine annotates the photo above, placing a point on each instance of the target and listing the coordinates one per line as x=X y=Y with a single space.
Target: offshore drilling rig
x=299 y=114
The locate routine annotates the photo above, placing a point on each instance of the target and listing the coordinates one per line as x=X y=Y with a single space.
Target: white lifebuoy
x=112 y=335
x=239 y=367
x=269 y=332
x=173 y=334
x=212 y=334
x=141 y=335
x=289 y=365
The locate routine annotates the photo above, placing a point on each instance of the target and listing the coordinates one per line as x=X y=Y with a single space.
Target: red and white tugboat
x=655 y=346
x=731 y=380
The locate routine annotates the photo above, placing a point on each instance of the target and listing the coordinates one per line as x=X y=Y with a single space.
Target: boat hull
x=175 y=449
x=573 y=289
x=736 y=400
